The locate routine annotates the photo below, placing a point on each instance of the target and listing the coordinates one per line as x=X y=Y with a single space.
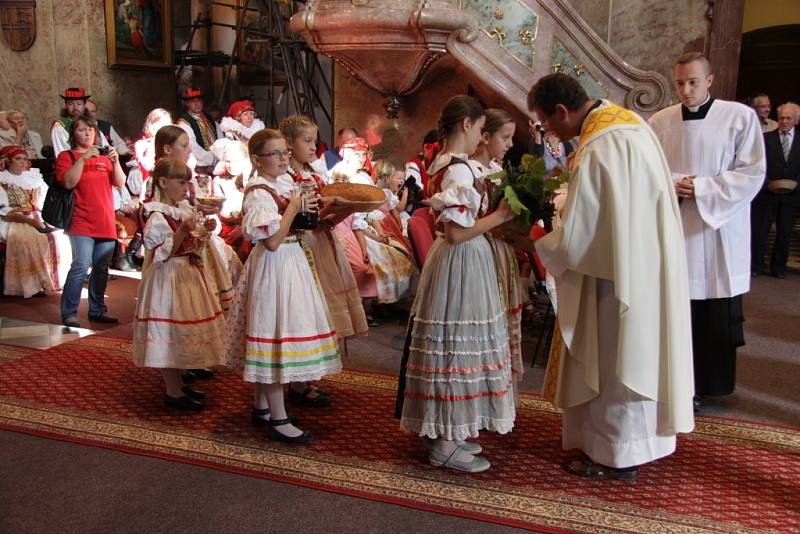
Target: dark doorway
x=770 y=63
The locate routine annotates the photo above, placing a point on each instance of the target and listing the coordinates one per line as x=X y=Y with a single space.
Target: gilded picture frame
x=138 y=34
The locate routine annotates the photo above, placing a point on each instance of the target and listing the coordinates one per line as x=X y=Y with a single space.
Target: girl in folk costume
x=230 y=175
x=333 y=269
x=279 y=327
x=395 y=272
x=391 y=180
x=349 y=234
x=351 y=231
x=456 y=377
x=497 y=137
x=220 y=260
x=145 y=152
x=31 y=264
x=178 y=322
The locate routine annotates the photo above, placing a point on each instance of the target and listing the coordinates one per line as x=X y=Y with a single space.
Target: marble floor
x=38 y=335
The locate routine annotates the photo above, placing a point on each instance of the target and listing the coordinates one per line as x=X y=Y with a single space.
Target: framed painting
x=138 y=34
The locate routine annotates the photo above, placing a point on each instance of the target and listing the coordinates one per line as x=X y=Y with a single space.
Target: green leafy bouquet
x=529 y=190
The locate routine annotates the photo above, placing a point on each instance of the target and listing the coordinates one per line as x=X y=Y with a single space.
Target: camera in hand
x=103 y=150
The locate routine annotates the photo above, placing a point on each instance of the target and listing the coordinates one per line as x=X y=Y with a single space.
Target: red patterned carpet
x=728 y=476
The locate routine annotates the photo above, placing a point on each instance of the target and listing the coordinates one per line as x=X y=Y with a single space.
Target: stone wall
x=70 y=51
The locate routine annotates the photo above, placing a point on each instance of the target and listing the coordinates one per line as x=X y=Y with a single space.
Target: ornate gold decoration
x=558 y=67
x=498 y=32
x=579 y=69
x=498 y=14
x=526 y=36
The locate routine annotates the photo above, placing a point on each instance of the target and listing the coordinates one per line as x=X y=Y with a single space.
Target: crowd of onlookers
x=107 y=226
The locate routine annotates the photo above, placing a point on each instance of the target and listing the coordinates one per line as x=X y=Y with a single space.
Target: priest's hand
x=685 y=187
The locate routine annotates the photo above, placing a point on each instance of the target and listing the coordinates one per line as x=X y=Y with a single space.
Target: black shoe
x=261 y=417
x=755 y=274
x=779 y=275
x=184 y=403
x=72 y=322
x=195 y=394
x=188 y=377
x=303 y=399
x=108 y=319
x=202 y=374
x=303 y=439
x=372 y=322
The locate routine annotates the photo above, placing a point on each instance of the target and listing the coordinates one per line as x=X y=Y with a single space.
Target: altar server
x=715 y=150
x=620 y=365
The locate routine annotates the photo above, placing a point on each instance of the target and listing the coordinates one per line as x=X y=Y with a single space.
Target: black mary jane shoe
x=304 y=399
x=183 y=402
x=195 y=394
x=261 y=417
x=303 y=439
x=202 y=374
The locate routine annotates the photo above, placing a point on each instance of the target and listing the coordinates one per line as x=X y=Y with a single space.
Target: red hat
x=356 y=143
x=9 y=151
x=192 y=92
x=240 y=106
x=75 y=93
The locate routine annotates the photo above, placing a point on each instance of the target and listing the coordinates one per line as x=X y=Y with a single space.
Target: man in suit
x=778 y=204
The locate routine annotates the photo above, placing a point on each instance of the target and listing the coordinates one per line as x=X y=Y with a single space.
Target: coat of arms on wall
x=18 y=23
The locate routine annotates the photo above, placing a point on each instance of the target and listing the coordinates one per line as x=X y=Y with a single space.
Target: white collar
x=694 y=109
x=30 y=179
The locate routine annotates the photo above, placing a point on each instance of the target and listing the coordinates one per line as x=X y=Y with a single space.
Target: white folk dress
x=458 y=376
x=179 y=322
x=279 y=326
x=334 y=272
x=31 y=257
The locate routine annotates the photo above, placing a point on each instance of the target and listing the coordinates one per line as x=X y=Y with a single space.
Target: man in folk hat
x=74 y=106
x=199 y=126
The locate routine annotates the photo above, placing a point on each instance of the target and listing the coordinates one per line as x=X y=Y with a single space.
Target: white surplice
x=624 y=374
x=725 y=151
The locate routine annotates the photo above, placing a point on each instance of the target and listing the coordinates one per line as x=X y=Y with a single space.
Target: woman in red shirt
x=92 y=233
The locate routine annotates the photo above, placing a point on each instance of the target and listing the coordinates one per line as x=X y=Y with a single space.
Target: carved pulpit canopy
x=18 y=23
x=503 y=46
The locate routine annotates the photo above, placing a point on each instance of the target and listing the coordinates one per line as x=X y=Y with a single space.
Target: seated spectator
x=93 y=232
x=332 y=154
x=31 y=264
x=240 y=123
x=391 y=180
x=355 y=155
x=7 y=134
x=417 y=172
x=28 y=139
x=128 y=235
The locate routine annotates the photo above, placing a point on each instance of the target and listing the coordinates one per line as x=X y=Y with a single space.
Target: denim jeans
x=87 y=252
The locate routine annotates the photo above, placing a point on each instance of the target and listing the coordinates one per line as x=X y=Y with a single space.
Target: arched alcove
x=770 y=63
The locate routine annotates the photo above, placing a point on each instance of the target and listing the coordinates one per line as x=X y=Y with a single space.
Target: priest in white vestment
x=621 y=363
x=715 y=151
